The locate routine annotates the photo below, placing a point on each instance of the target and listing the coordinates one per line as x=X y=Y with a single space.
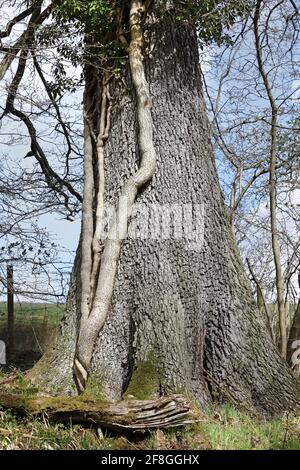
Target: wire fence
x=35 y=326
x=32 y=313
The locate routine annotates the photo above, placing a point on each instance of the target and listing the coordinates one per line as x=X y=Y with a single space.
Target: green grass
x=34 y=312
x=23 y=434
x=223 y=429
x=231 y=429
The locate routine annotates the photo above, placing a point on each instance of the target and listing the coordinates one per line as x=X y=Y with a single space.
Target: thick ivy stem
x=87 y=219
x=92 y=325
x=100 y=144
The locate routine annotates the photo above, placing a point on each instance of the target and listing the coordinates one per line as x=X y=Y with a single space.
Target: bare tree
x=252 y=94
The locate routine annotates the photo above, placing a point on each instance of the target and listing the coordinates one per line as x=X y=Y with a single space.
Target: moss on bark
x=145 y=382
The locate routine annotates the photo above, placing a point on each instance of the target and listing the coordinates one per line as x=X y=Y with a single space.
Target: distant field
x=35 y=327
x=34 y=312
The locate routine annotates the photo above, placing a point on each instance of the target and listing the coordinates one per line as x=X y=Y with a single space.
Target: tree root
x=129 y=415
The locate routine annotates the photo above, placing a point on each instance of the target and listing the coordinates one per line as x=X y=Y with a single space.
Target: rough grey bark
x=181 y=316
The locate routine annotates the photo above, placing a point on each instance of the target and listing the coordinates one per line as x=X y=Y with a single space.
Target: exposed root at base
x=80 y=375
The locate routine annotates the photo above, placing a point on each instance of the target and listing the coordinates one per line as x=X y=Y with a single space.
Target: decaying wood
x=127 y=415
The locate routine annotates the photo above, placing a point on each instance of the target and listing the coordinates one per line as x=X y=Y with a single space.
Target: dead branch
x=127 y=415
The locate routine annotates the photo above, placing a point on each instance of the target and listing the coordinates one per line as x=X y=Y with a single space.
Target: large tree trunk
x=181 y=316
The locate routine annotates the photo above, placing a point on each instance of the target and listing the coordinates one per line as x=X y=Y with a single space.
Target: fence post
x=10 y=310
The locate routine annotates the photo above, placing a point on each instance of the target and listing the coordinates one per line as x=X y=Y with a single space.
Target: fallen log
x=127 y=415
